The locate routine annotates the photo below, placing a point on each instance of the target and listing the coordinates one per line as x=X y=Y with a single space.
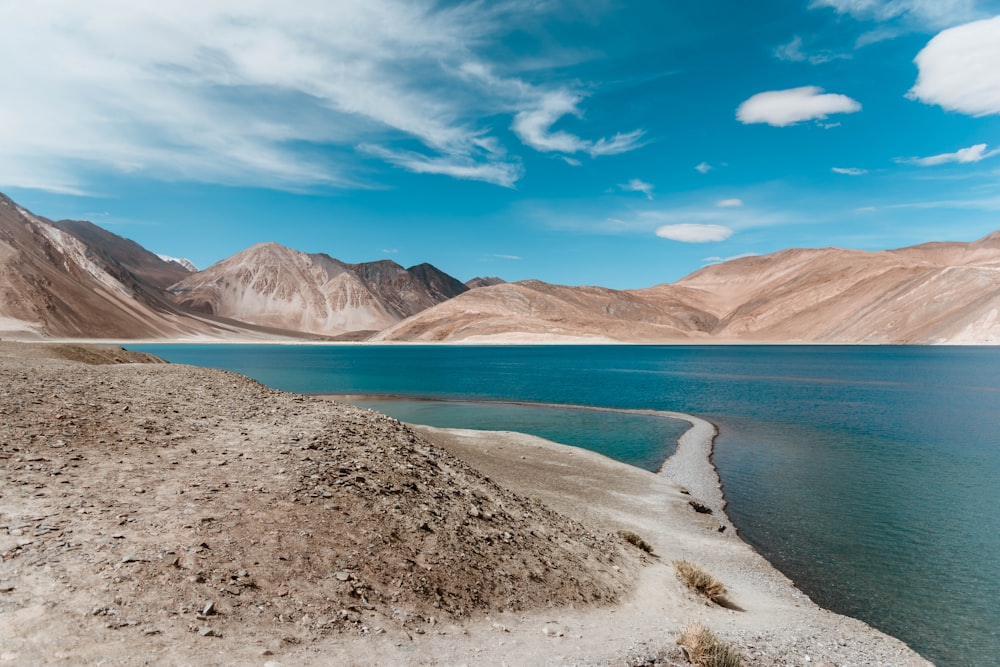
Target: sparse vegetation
x=701 y=582
x=635 y=540
x=703 y=648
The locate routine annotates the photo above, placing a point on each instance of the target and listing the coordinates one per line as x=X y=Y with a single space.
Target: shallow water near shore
x=867 y=474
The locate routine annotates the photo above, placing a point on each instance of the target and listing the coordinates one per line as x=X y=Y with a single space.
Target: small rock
x=553 y=631
x=342 y=576
x=474 y=512
x=206 y=631
x=209 y=609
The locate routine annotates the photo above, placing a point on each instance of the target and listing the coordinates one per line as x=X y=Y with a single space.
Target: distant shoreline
x=689 y=465
x=574 y=342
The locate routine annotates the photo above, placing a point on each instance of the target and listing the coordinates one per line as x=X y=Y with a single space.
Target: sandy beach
x=163 y=514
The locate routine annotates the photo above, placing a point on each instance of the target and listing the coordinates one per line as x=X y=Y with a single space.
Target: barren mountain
x=76 y=280
x=484 y=281
x=271 y=285
x=537 y=311
x=931 y=293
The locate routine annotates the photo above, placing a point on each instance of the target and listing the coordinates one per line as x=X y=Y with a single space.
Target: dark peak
x=437 y=280
x=484 y=281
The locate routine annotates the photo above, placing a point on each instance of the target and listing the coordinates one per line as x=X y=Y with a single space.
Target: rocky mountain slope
x=932 y=293
x=271 y=285
x=73 y=279
x=536 y=311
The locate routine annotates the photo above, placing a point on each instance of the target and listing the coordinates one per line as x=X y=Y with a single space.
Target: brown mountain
x=535 y=311
x=72 y=279
x=931 y=293
x=271 y=285
x=484 y=281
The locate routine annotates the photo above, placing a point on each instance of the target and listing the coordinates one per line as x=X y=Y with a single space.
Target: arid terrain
x=161 y=514
x=928 y=294
x=73 y=280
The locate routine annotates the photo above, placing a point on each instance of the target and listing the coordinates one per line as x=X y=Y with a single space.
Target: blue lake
x=869 y=475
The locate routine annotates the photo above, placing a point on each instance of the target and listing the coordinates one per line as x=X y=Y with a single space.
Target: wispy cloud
x=960 y=69
x=729 y=203
x=703 y=167
x=849 y=171
x=793 y=52
x=269 y=93
x=496 y=171
x=781 y=108
x=534 y=127
x=511 y=257
x=962 y=156
x=934 y=14
x=636 y=185
x=694 y=233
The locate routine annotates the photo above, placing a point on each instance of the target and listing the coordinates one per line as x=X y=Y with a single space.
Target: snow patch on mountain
x=182 y=261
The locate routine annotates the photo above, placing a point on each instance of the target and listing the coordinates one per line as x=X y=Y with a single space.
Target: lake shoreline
x=172 y=474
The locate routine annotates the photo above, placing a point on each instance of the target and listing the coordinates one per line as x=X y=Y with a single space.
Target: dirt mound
x=166 y=499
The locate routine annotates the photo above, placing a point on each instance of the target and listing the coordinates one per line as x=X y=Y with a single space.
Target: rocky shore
x=162 y=514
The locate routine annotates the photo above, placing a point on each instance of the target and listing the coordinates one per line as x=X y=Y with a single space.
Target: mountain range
x=73 y=279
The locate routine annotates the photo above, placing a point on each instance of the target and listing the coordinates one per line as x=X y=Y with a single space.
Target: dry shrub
x=700 y=581
x=703 y=648
x=635 y=540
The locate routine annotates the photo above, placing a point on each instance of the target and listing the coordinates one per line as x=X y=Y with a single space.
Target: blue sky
x=621 y=143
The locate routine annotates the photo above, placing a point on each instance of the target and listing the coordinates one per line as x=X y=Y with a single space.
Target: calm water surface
x=869 y=475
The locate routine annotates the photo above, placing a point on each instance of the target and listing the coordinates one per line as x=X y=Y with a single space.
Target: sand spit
x=163 y=514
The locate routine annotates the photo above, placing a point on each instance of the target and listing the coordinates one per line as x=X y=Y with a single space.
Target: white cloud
x=533 y=126
x=636 y=185
x=262 y=93
x=960 y=69
x=703 y=168
x=493 y=171
x=729 y=203
x=694 y=233
x=781 y=108
x=923 y=13
x=792 y=52
x=849 y=171
x=962 y=156
x=510 y=257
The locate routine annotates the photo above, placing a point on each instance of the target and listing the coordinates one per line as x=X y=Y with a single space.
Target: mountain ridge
x=74 y=279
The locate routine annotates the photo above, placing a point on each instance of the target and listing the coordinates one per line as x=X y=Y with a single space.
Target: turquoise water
x=869 y=475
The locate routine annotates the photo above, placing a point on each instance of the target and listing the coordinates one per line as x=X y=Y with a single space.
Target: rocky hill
x=271 y=285
x=149 y=500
